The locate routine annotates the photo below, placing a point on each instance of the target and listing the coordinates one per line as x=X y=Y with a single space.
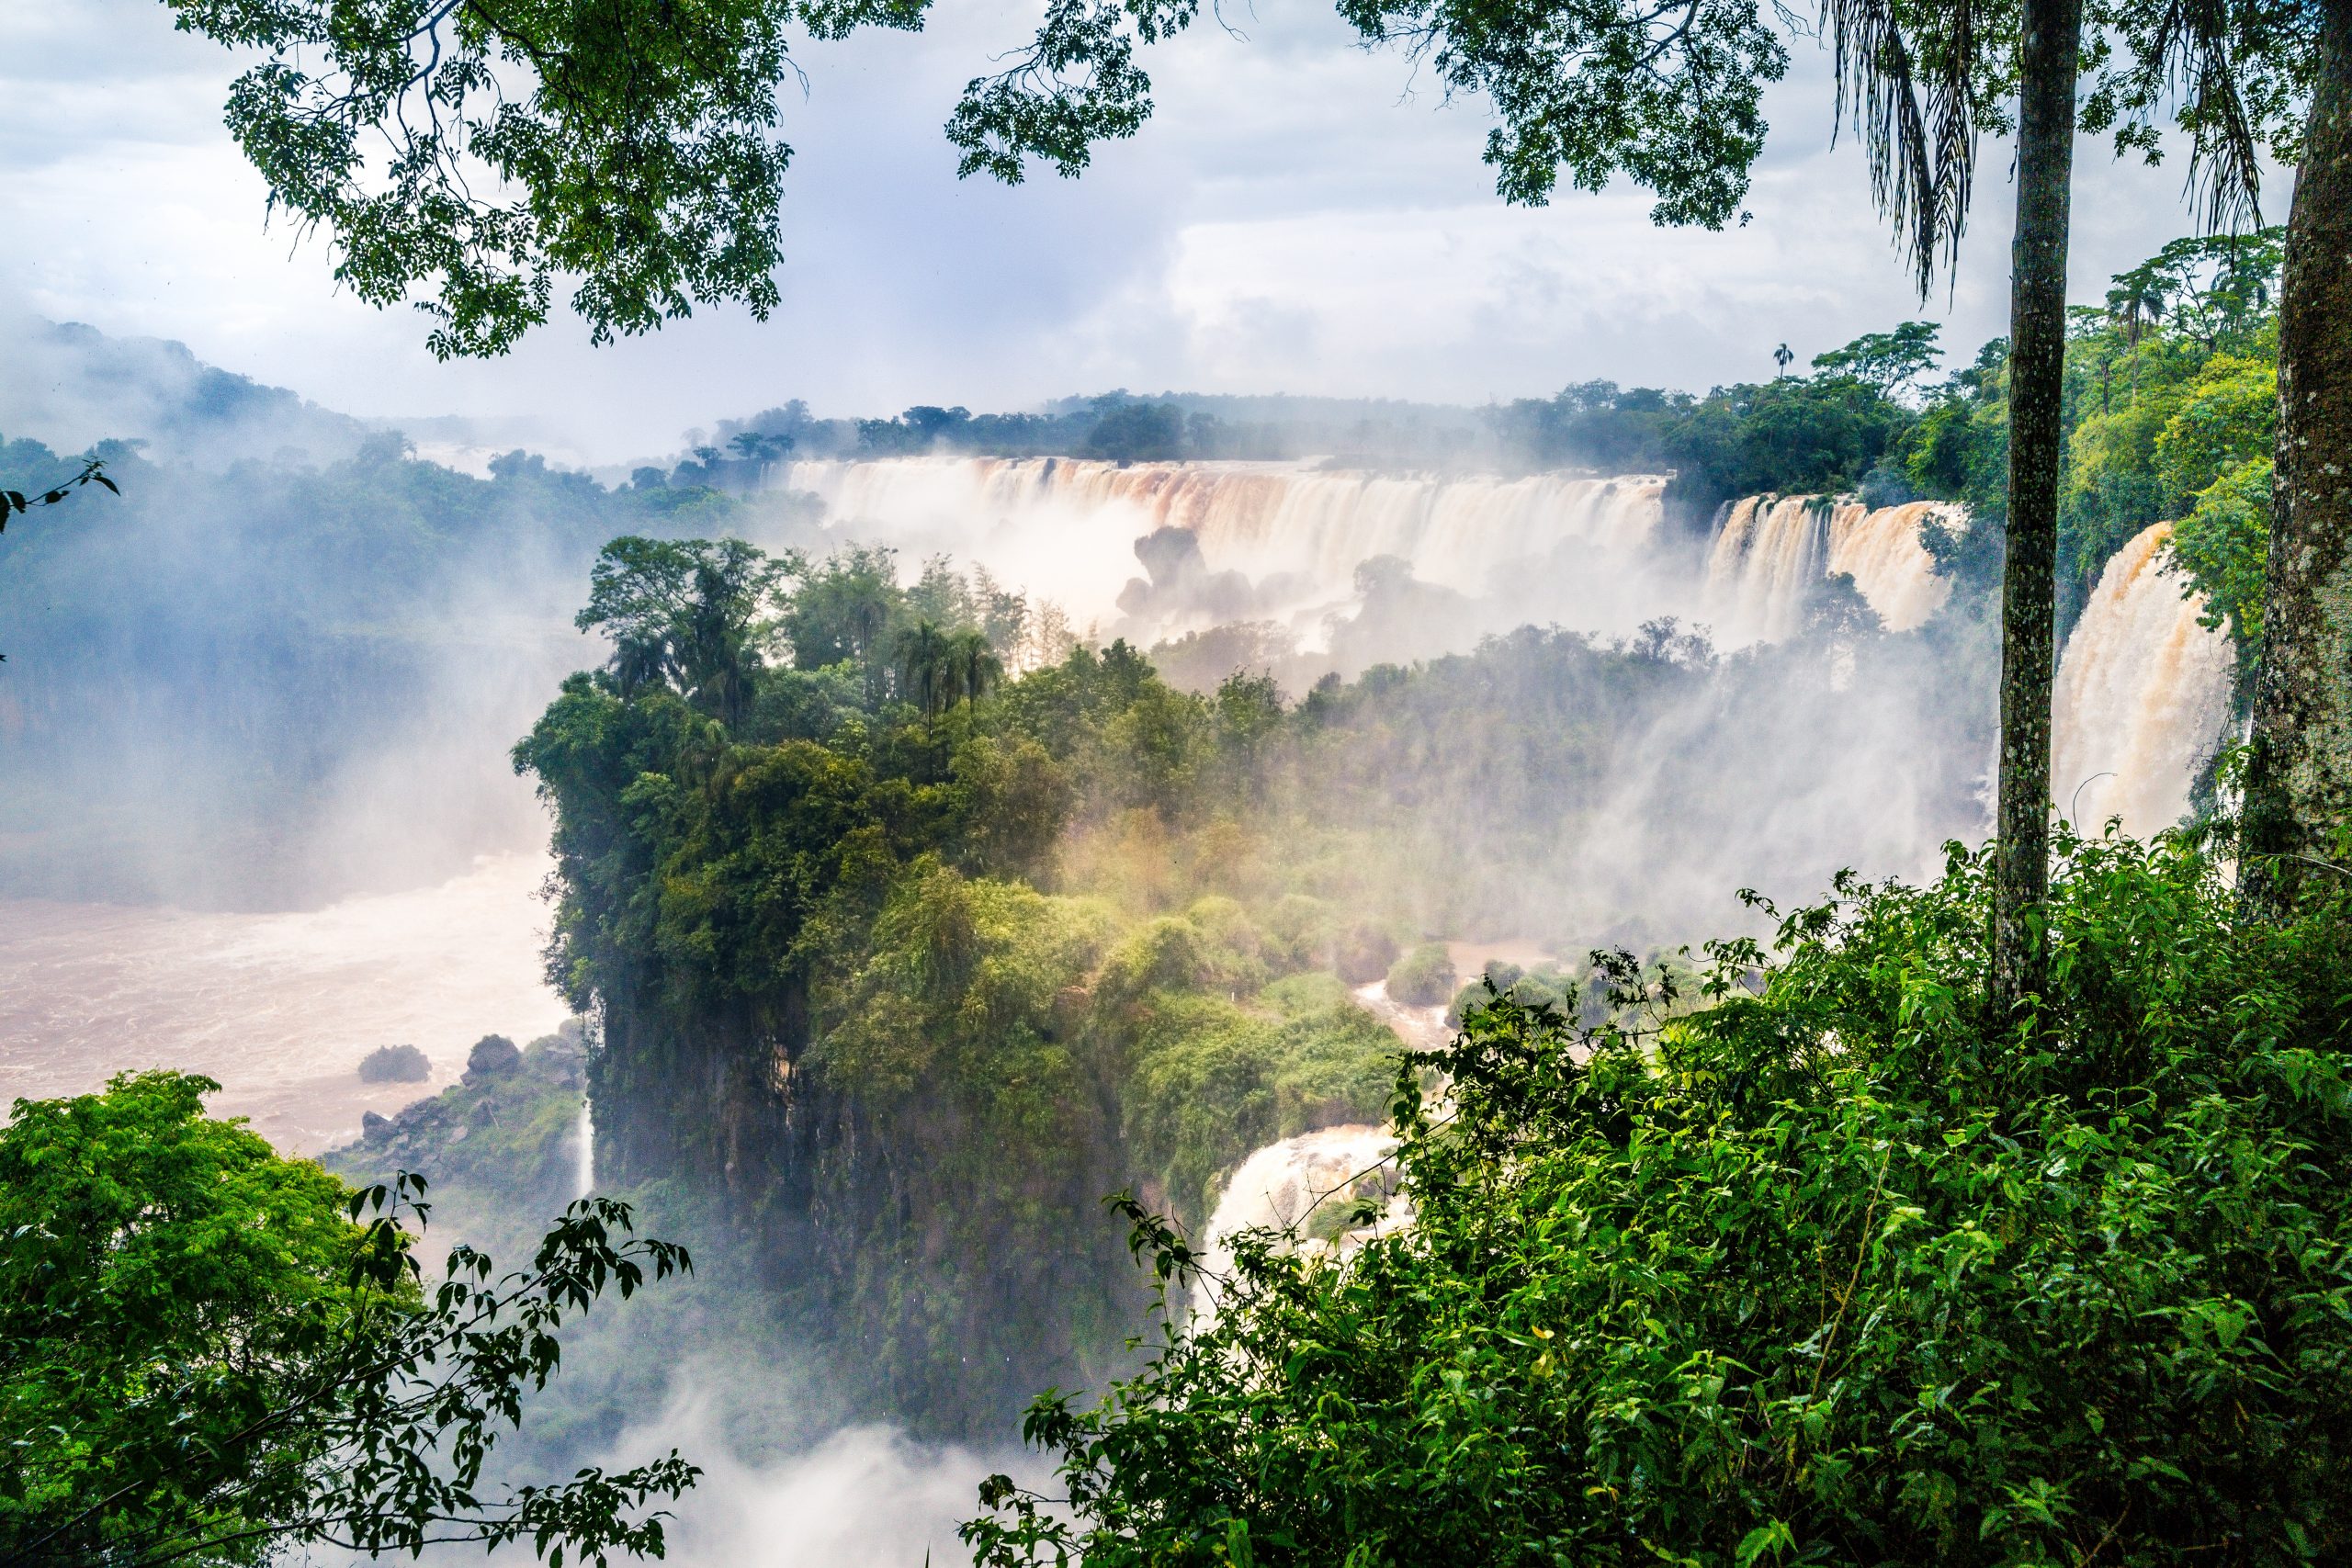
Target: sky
x=1301 y=215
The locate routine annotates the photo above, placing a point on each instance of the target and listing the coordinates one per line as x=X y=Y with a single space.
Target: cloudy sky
x=1296 y=218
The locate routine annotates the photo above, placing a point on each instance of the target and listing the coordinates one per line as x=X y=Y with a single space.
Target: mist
x=260 y=713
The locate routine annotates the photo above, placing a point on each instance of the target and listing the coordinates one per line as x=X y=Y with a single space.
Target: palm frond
x=1913 y=103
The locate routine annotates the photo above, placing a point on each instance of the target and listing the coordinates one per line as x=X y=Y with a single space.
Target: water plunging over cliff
x=1282 y=1184
x=1066 y=528
x=2142 y=695
x=1771 y=550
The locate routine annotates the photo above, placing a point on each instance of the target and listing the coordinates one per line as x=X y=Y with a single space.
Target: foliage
x=1792 y=436
x=1424 y=977
x=207 y=1353
x=629 y=146
x=1668 y=97
x=1137 y=432
x=1891 y=361
x=1841 y=1268
x=915 y=978
x=394 y=1063
x=15 y=502
x=2223 y=545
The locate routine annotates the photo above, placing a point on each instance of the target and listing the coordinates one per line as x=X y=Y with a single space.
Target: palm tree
x=1781 y=358
x=925 y=671
x=1922 y=160
x=972 y=668
x=2136 y=304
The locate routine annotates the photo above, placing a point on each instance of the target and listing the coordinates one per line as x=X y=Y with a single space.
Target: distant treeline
x=2169 y=413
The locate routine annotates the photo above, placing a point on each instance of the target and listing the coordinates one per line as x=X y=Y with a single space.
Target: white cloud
x=1301 y=215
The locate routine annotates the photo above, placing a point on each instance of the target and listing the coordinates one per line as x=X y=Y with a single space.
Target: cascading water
x=1066 y=528
x=584 y=1174
x=1771 y=550
x=1282 y=1184
x=2142 y=697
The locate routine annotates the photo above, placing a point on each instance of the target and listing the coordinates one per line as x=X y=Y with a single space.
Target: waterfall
x=2142 y=695
x=1282 y=1184
x=1066 y=528
x=1770 y=549
x=583 y=1178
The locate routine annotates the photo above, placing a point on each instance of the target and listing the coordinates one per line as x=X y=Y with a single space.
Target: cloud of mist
x=864 y=1497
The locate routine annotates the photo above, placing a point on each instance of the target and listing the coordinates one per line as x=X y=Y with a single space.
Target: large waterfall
x=2143 y=692
x=1066 y=528
x=1771 y=551
x=2142 y=687
x=1292 y=1184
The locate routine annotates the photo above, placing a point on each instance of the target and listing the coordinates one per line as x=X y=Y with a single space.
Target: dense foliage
x=916 y=965
x=208 y=1351
x=1841 y=1268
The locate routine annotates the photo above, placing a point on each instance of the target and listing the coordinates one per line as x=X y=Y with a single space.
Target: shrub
x=395 y=1064
x=1424 y=977
x=494 y=1056
x=1364 y=955
x=1852 y=1269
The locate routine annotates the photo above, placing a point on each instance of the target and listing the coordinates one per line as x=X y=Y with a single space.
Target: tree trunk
x=2037 y=379
x=2299 y=776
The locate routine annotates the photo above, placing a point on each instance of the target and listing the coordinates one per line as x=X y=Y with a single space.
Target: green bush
x=1364 y=955
x=395 y=1064
x=1847 y=1271
x=1424 y=977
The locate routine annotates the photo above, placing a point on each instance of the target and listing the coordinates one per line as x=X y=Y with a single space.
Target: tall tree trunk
x=2054 y=31
x=2299 y=777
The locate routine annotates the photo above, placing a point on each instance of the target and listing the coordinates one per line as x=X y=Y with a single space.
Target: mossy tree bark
x=2299 y=777
x=2037 y=376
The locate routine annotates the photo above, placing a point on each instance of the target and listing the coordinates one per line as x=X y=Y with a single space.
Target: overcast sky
x=1295 y=218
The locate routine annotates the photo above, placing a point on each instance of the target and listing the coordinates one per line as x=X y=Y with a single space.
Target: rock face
x=494 y=1056
x=501 y=1143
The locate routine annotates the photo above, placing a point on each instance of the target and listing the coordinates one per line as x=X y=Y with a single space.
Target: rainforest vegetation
x=914 y=926
x=1841 y=1265
x=209 y=1352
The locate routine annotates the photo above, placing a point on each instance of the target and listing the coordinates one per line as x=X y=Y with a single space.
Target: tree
x=686 y=615
x=2048 y=61
x=924 y=658
x=974 y=669
x=208 y=1351
x=1840 y=1268
x=2212 y=287
x=1781 y=357
x=2251 y=77
x=1893 y=361
x=1137 y=432
x=2299 y=772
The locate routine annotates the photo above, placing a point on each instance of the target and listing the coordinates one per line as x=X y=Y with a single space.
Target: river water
x=280 y=1007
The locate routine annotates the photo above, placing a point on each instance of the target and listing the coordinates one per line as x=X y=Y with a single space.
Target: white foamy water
x=280 y=1007
x=2142 y=693
x=1286 y=1184
x=1066 y=529
x=1771 y=550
